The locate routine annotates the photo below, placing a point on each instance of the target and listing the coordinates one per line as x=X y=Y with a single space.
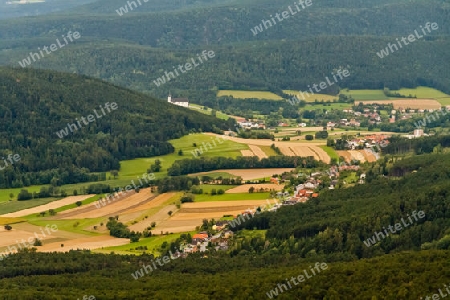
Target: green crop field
x=74 y=226
x=152 y=243
x=136 y=167
x=311 y=97
x=366 y=94
x=268 y=151
x=8 y=207
x=219 y=114
x=329 y=106
x=249 y=94
x=132 y=169
x=426 y=92
x=331 y=152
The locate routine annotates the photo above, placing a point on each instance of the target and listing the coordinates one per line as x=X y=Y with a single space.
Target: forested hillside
x=36 y=105
x=291 y=54
x=338 y=223
x=272 y=66
x=402 y=276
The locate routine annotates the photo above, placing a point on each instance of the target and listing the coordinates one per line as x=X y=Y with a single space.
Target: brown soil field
x=286 y=150
x=244 y=188
x=257 y=151
x=248 y=174
x=345 y=154
x=25 y=230
x=158 y=201
x=191 y=215
x=357 y=155
x=368 y=156
x=247 y=153
x=158 y=218
x=114 y=208
x=408 y=103
x=46 y=207
x=83 y=243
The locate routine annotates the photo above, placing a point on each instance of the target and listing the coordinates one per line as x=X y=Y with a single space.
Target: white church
x=178 y=101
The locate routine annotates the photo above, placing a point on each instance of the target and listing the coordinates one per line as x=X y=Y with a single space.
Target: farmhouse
x=178 y=101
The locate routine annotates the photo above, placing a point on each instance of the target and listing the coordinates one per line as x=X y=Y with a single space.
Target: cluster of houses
x=251 y=124
x=201 y=240
x=368 y=141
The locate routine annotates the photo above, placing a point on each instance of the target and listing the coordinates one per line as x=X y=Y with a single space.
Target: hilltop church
x=178 y=101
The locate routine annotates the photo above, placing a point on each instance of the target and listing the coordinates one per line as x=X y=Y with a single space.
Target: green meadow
x=133 y=169
x=153 y=244
x=426 y=92
x=311 y=97
x=208 y=111
x=249 y=94
x=365 y=94
x=331 y=152
x=12 y=206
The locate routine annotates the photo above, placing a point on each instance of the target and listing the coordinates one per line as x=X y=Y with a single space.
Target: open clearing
x=244 y=188
x=249 y=174
x=191 y=215
x=249 y=94
x=407 y=103
x=46 y=207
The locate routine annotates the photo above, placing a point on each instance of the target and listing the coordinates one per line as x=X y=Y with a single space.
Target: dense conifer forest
x=36 y=105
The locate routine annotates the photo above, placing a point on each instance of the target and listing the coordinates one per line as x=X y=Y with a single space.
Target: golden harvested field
x=83 y=243
x=287 y=148
x=191 y=215
x=257 y=151
x=248 y=174
x=347 y=156
x=304 y=151
x=408 y=103
x=113 y=208
x=357 y=155
x=244 y=188
x=157 y=217
x=46 y=207
x=369 y=156
x=361 y=155
x=247 y=153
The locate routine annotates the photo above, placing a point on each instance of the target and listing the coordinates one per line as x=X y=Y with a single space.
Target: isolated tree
x=251 y=189
x=37 y=242
x=52 y=212
x=114 y=173
x=170 y=213
x=8 y=227
x=11 y=196
x=180 y=152
x=78 y=203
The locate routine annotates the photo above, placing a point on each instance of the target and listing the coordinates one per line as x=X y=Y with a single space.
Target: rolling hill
x=42 y=115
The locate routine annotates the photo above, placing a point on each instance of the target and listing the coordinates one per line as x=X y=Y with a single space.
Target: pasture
x=249 y=94
x=311 y=97
x=365 y=94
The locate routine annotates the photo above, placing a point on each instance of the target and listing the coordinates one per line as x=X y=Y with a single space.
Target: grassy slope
x=131 y=169
x=249 y=94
